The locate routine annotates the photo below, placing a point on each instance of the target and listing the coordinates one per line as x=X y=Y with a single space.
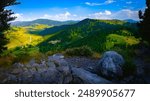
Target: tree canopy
x=5 y=18
x=144 y=25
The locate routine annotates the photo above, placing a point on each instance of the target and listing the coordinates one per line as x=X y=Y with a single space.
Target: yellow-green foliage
x=19 y=36
x=125 y=41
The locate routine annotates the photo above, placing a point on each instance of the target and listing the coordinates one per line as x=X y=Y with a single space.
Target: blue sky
x=77 y=9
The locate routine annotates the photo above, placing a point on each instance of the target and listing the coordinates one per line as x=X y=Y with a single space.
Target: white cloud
x=107 y=12
x=129 y=2
x=92 y=4
x=101 y=15
x=109 y=1
x=22 y=17
x=122 y=14
x=19 y=17
x=98 y=4
x=126 y=14
x=62 y=17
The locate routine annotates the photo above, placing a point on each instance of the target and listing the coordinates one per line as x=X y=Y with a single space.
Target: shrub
x=80 y=51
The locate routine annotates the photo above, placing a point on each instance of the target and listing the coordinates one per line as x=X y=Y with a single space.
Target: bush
x=80 y=51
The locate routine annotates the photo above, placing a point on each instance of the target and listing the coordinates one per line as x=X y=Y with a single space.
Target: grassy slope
x=22 y=36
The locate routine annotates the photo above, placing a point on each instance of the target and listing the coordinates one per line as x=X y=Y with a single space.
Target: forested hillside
x=100 y=35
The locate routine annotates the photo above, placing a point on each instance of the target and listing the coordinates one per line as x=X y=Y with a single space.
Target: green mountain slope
x=100 y=35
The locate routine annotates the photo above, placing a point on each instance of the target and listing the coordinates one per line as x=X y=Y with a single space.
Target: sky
x=63 y=10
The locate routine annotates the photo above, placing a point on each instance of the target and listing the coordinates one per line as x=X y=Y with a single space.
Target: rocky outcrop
x=110 y=65
x=54 y=70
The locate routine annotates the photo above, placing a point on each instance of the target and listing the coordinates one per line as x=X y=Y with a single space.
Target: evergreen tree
x=5 y=18
x=144 y=25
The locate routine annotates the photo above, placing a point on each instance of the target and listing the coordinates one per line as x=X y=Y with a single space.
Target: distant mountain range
x=43 y=21
x=52 y=22
x=131 y=21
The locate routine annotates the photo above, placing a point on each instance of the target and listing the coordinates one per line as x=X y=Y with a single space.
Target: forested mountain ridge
x=43 y=21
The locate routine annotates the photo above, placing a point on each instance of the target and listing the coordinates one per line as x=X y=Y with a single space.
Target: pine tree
x=144 y=25
x=5 y=18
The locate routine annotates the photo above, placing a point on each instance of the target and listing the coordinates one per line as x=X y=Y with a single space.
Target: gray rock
x=83 y=76
x=62 y=66
x=52 y=76
x=66 y=72
x=110 y=64
x=51 y=64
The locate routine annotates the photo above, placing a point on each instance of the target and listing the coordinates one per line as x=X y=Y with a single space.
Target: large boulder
x=110 y=65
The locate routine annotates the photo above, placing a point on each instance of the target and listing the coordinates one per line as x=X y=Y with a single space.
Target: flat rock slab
x=88 y=77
